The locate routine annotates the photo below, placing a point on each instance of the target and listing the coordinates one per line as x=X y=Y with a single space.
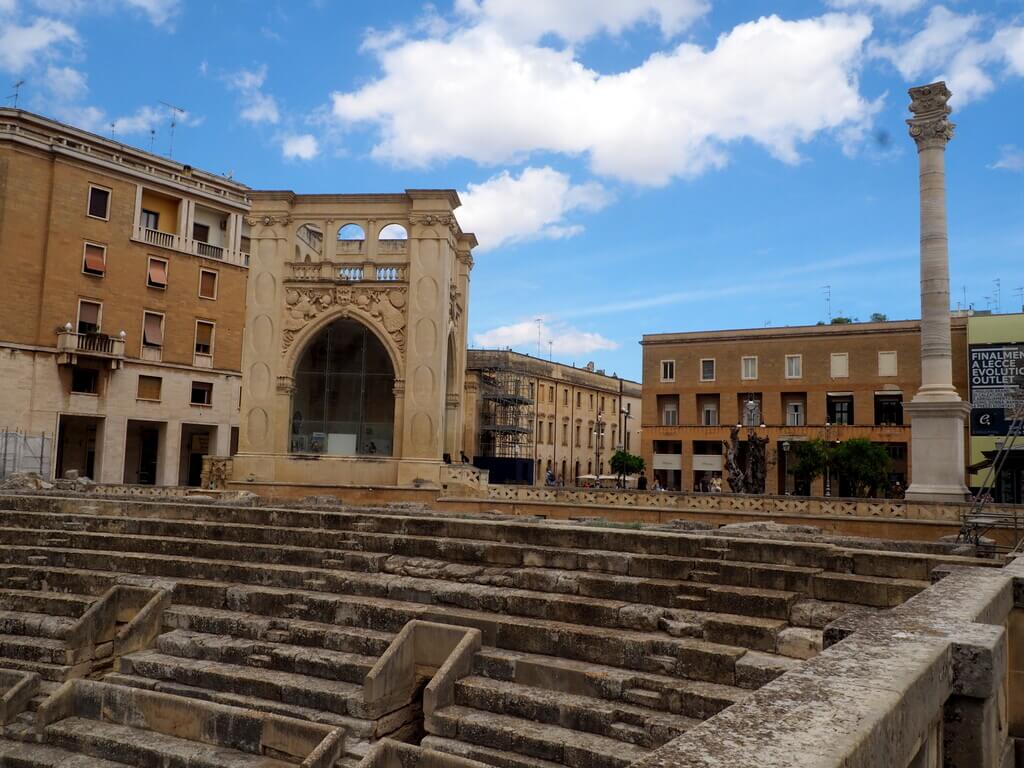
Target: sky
x=629 y=166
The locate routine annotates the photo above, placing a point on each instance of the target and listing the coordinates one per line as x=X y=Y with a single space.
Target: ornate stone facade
x=410 y=294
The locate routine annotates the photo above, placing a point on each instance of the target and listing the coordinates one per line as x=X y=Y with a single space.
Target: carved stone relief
x=304 y=305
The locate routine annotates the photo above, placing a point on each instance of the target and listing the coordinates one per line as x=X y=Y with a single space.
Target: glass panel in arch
x=315 y=356
x=343 y=413
x=346 y=349
x=378 y=361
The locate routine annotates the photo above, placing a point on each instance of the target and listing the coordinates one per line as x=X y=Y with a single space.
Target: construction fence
x=23 y=452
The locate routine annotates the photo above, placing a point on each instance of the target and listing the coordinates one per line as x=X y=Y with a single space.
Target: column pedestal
x=937 y=450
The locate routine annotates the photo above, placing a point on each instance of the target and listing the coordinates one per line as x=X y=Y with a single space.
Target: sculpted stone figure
x=736 y=476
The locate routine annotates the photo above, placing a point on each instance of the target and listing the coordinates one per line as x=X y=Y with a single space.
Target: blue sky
x=630 y=166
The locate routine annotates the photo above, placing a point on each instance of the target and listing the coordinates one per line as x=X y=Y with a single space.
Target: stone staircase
x=598 y=645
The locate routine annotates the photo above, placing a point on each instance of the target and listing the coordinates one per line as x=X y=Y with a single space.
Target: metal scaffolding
x=507 y=414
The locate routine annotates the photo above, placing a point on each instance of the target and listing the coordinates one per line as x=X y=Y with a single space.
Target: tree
x=879 y=317
x=842 y=320
x=863 y=464
x=624 y=463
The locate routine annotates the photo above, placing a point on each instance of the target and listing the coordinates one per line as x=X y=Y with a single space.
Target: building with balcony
x=122 y=344
x=526 y=416
x=791 y=384
x=355 y=351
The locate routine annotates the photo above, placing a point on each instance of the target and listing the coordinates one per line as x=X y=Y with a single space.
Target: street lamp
x=828 y=473
x=785 y=467
x=598 y=434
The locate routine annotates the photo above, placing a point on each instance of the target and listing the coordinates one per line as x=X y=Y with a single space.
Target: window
x=888 y=409
x=565 y=434
x=794 y=413
x=590 y=434
x=202 y=393
x=94 y=260
x=749 y=368
x=840 y=365
x=152 y=329
x=565 y=397
x=670 y=415
x=201 y=232
x=887 y=364
x=840 y=409
x=577 y=435
x=602 y=403
x=149 y=388
x=156 y=275
x=208 y=289
x=794 y=366
x=579 y=399
x=531 y=390
x=150 y=219
x=551 y=394
x=750 y=410
x=204 y=337
x=551 y=433
x=707 y=369
x=709 y=415
x=668 y=370
x=540 y=431
x=89 y=316
x=85 y=381
x=99 y=203
x=591 y=401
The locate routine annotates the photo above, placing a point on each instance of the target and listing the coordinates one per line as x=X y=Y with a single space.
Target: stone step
x=553 y=743
x=21 y=754
x=34 y=624
x=691 y=698
x=40 y=649
x=630 y=723
x=147 y=749
x=289 y=688
x=57 y=673
x=303 y=660
x=65 y=580
x=744 y=601
x=358 y=730
x=50 y=603
x=484 y=755
x=874 y=591
x=357 y=640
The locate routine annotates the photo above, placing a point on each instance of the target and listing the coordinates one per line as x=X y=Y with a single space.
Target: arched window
x=393 y=232
x=351 y=232
x=344 y=401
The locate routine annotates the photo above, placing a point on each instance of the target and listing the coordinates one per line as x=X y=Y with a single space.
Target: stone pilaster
x=937 y=413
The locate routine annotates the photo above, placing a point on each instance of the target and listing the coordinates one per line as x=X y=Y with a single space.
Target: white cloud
x=66 y=83
x=778 y=83
x=256 y=106
x=1011 y=158
x=893 y=7
x=7 y=6
x=21 y=46
x=159 y=12
x=301 y=147
x=575 y=20
x=565 y=339
x=508 y=208
x=952 y=47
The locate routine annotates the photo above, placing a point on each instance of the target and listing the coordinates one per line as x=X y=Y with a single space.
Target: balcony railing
x=209 y=250
x=186 y=245
x=71 y=346
x=346 y=272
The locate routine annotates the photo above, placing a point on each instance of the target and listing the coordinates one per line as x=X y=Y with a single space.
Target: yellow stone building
x=120 y=337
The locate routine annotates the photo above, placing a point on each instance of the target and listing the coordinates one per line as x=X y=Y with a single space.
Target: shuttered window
x=153 y=330
x=149 y=387
x=157 y=274
x=204 y=338
x=88 y=316
x=207 y=284
x=99 y=202
x=95 y=261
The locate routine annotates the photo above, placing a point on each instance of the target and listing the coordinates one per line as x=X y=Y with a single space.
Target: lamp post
x=598 y=433
x=828 y=474
x=785 y=467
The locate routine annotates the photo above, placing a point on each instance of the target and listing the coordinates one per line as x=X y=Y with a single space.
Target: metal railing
x=24 y=452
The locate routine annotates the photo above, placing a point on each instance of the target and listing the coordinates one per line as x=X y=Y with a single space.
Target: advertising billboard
x=996 y=373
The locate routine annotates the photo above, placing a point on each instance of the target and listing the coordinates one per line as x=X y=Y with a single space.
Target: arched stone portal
x=344 y=400
x=355 y=341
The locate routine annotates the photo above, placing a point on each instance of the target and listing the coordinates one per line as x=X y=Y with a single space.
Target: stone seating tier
x=598 y=645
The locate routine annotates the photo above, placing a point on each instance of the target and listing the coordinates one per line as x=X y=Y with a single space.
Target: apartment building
x=833 y=382
x=554 y=416
x=122 y=344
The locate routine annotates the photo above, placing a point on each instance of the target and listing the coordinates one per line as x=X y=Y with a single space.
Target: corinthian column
x=937 y=413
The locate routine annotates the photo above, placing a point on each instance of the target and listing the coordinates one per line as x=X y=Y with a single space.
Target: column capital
x=930 y=127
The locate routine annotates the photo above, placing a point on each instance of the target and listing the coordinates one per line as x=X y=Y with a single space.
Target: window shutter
x=89 y=312
x=153 y=333
x=208 y=285
x=158 y=273
x=94 y=261
x=149 y=387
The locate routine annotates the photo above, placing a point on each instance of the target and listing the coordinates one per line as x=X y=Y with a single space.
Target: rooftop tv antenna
x=1020 y=297
x=540 y=324
x=17 y=90
x=152 y=138
x=175 y=112
x=828 y=300
x=997 y=293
